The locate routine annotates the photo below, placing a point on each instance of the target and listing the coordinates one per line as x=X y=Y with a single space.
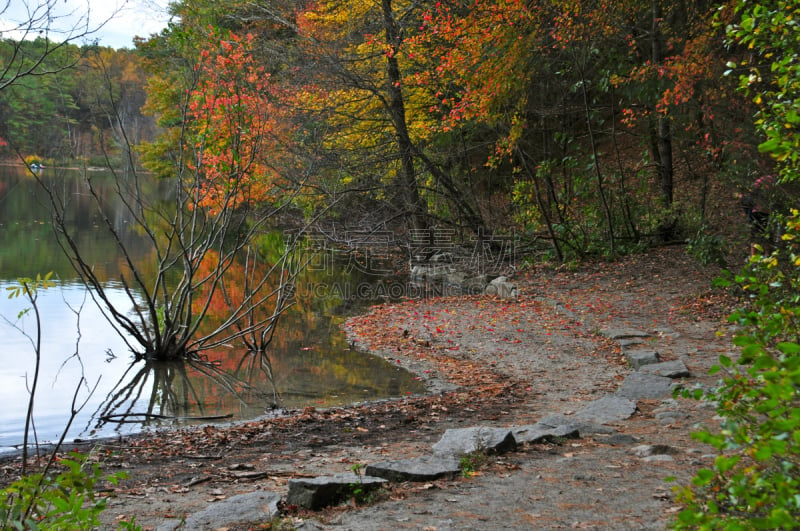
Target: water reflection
x=308 y=361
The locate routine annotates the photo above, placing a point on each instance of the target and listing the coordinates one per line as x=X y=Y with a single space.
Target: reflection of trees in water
x=156 y=392
x=252 y=366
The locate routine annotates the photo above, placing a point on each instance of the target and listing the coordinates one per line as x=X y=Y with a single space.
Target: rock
x=670 y=412
x=639 y=385
x=638 y=358
x=308 y=525
x=258 y=506
x=668 y=333
x=660 y=458
x=474 y=285
x=617 y=439
x=622 y=333
x=584 y=427
x=455 y=279
x=608 y=409
x=442 y=258
x=502 y=288
x=536 y=433
x=625 y=343
x=323 y=491
x=430 y=272
x=647 y=450
x=671 y=417
x=463 y=441
x=667 y=369
x=425 y=468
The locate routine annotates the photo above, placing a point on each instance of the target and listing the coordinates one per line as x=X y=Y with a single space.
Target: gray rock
x=435 y=272
x=622 y=333
x=671 y=417
x=502 y=287
x=537 y=433
x=625 y=343
x=442 y=258
x=258 y=506
x=638 y=358
x=323 y=491
x=668 y=404
x=668 y=333
x=608 y=409
x=308 y=525
x=455 y=278
x=584 y=427
x=668 y=369
x=660 y=458
x=425 y=468
x=475 y=285
x=463 y=441
x=647 y=450
x=617 y=439
x=639 y=385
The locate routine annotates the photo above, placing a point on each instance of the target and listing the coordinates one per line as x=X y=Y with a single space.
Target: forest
x=582 y=128
x=81 y=104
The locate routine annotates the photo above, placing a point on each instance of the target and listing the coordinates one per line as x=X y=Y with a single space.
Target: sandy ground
x=487 y=362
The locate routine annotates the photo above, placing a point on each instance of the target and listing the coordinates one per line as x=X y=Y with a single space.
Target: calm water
x=309 y=357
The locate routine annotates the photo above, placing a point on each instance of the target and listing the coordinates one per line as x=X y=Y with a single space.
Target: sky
x=121 y=20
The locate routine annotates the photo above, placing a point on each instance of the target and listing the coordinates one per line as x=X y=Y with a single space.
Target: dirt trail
x=488 y=362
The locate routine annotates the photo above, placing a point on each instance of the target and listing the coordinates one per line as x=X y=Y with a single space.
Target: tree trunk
x=663 y=134
x=412 y=202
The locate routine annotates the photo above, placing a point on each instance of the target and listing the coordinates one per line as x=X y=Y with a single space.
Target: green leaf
x=788 y=348
x=703 y=477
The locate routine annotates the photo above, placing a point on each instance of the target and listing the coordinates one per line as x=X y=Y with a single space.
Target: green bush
x=707 y=248
x=61 y=500
x=754 y=482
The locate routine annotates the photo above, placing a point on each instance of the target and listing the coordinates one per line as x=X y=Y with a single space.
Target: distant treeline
x=86 y=107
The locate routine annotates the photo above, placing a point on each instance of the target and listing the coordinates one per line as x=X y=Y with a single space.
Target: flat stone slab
x=425 y=468
x=584 y=427
x=622 y=333
x=625 y=343
x=537 y=433
x=259 y=506
x=463 y=441
x=667 y=369
x=608 y=409
x=323 y=491
x=640 y=385
x=640 y=357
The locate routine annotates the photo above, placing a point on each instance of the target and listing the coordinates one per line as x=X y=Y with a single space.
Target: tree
x=546 y=85
x=753 y=481
x=69 y=114
x=213 y=214
x=376 y=120
x=53 y=28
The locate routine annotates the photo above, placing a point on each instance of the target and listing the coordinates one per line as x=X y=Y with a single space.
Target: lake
x=310 y=359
